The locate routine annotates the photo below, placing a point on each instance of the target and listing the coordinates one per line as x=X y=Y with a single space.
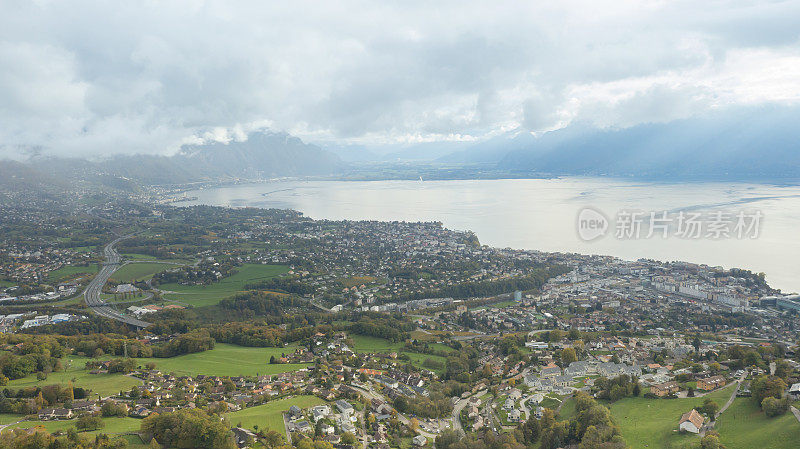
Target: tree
x=568 y=356
x=273 y=438
x=774 y=407
x=530 y=431
x=696 y=343
x=556 y=335
x=348 y=438
x=447 y=439
x=190 y=428
x=318 y=428
x=113 y=409
x=782 y=368
x=711 y=441
x=709 y=408
x=89 y=422
x=767 y=386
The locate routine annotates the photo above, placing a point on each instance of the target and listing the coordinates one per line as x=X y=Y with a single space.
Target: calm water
x=541 y=214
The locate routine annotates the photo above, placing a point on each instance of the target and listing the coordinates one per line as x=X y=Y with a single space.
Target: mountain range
x=753 y=145
x=262 y=155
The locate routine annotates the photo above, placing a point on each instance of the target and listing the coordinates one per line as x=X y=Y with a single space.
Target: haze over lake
x=541 y=214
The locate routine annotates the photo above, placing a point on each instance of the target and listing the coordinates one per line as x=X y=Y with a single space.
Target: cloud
x=96 y=78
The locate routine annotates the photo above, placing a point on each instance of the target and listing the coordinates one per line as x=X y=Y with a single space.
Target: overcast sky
x=94 y=78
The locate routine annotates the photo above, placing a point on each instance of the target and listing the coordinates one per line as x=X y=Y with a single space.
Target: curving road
x=92 y=293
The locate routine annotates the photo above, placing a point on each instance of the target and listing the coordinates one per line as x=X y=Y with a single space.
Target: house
x=794 y=391
x=691 y=422
x=419 y=441
x=551 y=370
x=140 y=411
x=302 y=426
x=295 y=412
x=344 y=407
x=319 y=412
x=665 y=389
x=514 y=416
x=562 y=381
x=710 y=383
x=54 y=413
x=82 y=405
x=575 y=369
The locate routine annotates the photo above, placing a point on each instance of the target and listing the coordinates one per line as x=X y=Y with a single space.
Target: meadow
x=270 y=415
x=226 y=360
x=745 y=426
x=223 y=360
x=497 y=305
x=112 y=425
x=100 y=384
x=139 y=271
x=69 y=272
x=653 y=423
x=364 y=344
x=207 y=295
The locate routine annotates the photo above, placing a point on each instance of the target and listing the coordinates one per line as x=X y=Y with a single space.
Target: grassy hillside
x=102 y=384
x=653 y=423
x=270 y=415
x=745 y=426
x=139 y=271
x=206 y=295
x=226 y=360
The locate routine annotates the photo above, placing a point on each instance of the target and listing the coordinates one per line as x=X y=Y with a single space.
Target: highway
x=92 y=293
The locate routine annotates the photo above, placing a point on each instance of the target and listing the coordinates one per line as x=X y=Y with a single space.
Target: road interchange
x=92 y=292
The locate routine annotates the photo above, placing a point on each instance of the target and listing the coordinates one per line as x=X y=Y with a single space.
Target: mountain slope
x=761 y=146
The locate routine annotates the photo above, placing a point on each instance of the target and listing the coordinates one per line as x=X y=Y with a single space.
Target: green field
x=270 y=415
x=226 y=360
x=744 y=426
x=102 y=384
x=568 y=409
x=223 y=360
x=497 y=305
x=206 y=295
x=113 y=425
x=653 y=423
x=139 y=271
x=363 y=343
x=68 y=272
x=366 y=344
x=5 y=419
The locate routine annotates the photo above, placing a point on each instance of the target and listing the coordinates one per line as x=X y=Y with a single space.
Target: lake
x=542 y=214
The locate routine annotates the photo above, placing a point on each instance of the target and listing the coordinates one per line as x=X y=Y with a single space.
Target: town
x=275 y=329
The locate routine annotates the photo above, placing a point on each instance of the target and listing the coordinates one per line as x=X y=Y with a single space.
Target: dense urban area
x=130 y=322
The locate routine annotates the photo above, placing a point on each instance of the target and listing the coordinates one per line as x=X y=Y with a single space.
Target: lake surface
x=542 y=214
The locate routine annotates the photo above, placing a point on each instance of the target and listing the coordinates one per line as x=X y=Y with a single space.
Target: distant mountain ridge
x=262 y=155
x=759 y=145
